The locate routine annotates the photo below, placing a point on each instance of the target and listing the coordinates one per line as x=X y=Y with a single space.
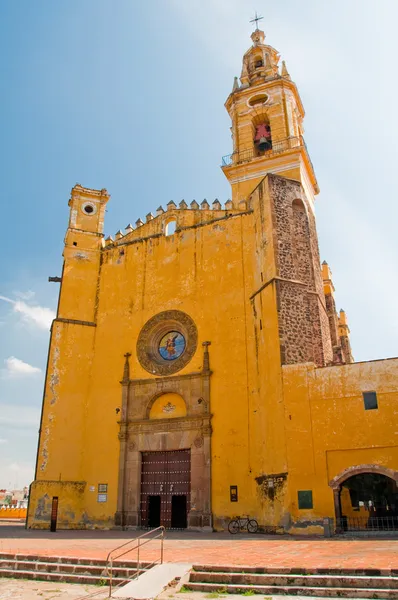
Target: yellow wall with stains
x=276 y=429
x=329 y=431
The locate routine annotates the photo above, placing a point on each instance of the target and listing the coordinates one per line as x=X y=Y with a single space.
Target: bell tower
x=267 y=124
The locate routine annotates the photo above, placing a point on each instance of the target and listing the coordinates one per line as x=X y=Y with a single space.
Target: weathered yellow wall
x=8 y=512
x=214 y=250
x=70 y=504
x=328 y=430
x=276 y=430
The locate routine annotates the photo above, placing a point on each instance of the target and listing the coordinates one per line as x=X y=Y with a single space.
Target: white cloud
x=25 y=295
x=14 y=467
x=16 y=367
x=41 y=316
x=3 y=441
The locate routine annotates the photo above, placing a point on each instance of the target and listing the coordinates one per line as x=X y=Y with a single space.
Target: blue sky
x=129 y=96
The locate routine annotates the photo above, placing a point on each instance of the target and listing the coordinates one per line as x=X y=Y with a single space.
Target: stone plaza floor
x=211 y=548
x=23 y=589
x=20 y=589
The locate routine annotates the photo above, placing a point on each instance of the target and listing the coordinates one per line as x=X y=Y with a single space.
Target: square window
x=305 y=499
x=370 y=400
x=102 y=488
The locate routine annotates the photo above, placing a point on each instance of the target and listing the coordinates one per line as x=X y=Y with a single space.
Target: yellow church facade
x=198 y=368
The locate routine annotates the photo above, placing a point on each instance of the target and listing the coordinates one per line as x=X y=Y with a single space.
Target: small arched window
x=170 y=228
x=298 y=204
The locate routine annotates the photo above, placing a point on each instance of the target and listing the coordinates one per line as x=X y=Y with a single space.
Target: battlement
x=175 y=219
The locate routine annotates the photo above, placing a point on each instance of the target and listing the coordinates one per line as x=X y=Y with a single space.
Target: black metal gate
x=367 y=523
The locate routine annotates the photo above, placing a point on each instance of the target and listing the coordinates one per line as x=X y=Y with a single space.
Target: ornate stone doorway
x=165 y=488
x=165 y=423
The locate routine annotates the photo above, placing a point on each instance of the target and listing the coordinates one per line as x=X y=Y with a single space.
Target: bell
x=263 y=144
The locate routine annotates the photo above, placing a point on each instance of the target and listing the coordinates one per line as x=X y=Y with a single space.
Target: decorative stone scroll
x=167 y=342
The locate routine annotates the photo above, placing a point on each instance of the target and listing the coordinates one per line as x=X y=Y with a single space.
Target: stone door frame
x=140 y=434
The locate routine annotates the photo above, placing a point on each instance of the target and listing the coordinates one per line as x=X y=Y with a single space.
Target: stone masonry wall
x=334 y=332
x=303 y=320
x=301 y=244
x=346 y=349
x=294 y=323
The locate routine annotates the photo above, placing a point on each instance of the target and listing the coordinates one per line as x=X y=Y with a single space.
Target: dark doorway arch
x=366 y=498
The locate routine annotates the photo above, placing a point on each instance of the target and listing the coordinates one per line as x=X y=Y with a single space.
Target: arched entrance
x=366 y=498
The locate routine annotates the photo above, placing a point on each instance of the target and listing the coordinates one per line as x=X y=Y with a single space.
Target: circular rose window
x=89 y=208
x=172 y=345
x=167 y=342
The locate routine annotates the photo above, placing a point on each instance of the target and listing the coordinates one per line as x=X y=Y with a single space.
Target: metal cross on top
x=256 y=19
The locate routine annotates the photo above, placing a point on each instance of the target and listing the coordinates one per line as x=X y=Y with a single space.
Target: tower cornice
x=270 y=84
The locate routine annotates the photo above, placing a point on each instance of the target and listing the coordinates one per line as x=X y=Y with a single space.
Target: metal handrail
x=111 y=557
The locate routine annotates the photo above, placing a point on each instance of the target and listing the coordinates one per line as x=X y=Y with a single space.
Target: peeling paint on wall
x=272 y=486
x=53 y=382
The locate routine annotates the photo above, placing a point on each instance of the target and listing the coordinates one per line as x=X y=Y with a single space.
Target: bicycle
x=242 y=523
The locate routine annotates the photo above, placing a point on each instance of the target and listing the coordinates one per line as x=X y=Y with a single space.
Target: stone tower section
x=83 y=243
x=339 y=331
x=267 y=135
x=344 y=334
x=294 y=269
x=267 y=124
x=59 y=467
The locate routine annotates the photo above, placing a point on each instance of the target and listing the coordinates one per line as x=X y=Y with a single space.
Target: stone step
x=281 y=580
x=320 y=592
x=60 y=577
x=53 y=567
x=98 y=562
x=295 y=570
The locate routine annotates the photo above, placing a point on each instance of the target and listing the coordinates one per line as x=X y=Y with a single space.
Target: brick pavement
x=215 y=548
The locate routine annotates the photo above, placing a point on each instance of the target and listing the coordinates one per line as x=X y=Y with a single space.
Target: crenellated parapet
x=176 y=218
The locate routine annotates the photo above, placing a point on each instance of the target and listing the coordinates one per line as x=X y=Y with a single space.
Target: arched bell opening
x=256 y=61
x=262 y=136
x=366 y=499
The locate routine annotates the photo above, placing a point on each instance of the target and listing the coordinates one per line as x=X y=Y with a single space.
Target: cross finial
x=256 y=19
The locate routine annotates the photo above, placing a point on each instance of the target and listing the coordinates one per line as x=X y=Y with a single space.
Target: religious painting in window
x=262 y=138
x=172 y=345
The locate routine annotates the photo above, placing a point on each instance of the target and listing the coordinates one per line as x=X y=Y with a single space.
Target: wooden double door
x=165 y=488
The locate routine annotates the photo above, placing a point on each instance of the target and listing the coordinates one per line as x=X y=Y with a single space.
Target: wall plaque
x=233 y=493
